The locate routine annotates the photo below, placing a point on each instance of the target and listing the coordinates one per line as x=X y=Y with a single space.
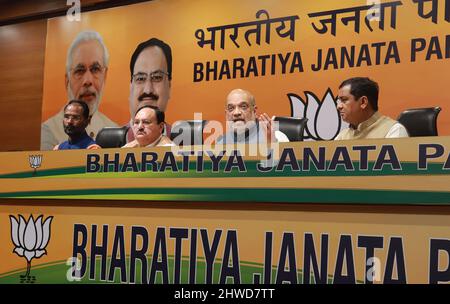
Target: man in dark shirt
x=76 y=119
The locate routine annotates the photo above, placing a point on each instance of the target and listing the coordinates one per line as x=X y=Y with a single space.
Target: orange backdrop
x=403 y=85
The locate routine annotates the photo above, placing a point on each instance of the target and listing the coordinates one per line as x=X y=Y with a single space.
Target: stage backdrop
x=232 y=244
x=291 y=55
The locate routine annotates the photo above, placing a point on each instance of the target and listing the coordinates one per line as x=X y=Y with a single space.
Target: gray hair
x=83 y=37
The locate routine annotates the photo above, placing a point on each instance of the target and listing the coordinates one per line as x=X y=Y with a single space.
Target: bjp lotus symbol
x=324 y=121
x=30 y=239
x=35 y=162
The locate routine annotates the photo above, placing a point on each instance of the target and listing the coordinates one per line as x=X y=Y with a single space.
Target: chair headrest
x=293 y=127
x=188 y=132
x=112 y=137
x=420 y=121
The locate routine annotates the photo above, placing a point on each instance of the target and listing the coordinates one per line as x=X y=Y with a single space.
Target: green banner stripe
x=56 y=273
x=287 y=195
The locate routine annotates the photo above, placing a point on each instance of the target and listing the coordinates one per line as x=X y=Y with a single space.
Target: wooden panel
x=16 y=9
x=22 y=51
x=27 y=10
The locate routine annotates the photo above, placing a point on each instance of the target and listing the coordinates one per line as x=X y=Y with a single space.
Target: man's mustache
x=69 y=127
x=87 y=92
x=148 y=95
x=141 y=133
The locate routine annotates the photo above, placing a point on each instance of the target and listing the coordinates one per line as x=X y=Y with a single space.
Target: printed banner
x=400 y=171
x=151 y=216
x=47 y=241
x=82 y=216
x=291 y=55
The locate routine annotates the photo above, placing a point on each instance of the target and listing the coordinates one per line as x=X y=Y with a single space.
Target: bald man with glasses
x=244 y=125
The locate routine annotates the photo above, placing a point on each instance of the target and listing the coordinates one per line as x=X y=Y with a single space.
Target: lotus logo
x=30 y=239
x=324 y=121
x=35 y=162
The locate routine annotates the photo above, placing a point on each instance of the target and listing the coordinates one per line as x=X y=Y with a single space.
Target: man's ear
x=364 y=102
x=170 y=89
x=66 y=82
x=161 y=127
x=130 y=101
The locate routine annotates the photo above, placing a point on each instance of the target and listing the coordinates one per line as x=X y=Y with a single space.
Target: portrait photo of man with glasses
x=86 y=70
x=151 y=75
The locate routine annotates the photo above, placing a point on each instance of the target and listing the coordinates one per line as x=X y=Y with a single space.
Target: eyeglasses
x=95 y=69
x=156 y=76
x=243 y=107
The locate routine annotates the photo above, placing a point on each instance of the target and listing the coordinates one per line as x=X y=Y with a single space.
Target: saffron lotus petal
x=14 y=231
x=30 y=235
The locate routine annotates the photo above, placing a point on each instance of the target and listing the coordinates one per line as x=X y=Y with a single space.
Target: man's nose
x=140 y=125
x=148 y=86
x=237 y=111
x=88 y=78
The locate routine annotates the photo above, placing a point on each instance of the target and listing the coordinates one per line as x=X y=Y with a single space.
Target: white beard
x=93 y=107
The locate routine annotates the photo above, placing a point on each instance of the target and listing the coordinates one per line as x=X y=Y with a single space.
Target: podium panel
x=313 y=212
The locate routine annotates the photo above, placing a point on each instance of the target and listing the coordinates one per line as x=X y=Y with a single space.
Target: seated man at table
x=243 y=123
x=358 y=105
x=75 y=121
x=148 y=126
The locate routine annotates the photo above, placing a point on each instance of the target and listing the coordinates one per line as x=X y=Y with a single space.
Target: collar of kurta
x=365 y=124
